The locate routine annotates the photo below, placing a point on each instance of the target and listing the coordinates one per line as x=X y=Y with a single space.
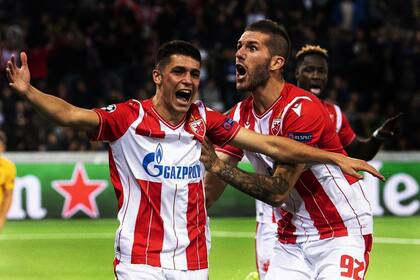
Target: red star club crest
x=275 y=126
x=198 y=127
x=79 y=193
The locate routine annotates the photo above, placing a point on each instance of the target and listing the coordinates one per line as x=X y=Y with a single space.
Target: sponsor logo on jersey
x=297 y=108
x=152 y=166
x=110 y=108
x=300 y=136
x=198 y=127
x=275 y=126
x=228 y=124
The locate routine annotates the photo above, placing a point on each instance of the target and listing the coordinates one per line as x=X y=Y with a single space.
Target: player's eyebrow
x=184 y=69
x=248 y=41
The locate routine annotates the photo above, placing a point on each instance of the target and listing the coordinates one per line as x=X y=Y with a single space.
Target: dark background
x=93 y=53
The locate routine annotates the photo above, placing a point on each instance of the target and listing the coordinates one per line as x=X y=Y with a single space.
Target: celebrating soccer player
x=154 y=158
x=326 y=208
x=312 y=75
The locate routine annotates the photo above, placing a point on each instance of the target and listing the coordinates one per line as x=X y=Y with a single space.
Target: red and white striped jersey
x=157 y=176
x=265 y=213
x=342 y=125
x=324 y=202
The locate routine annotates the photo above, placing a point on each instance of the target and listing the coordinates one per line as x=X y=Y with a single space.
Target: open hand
x=350 y=166
x=19 y=77
x=389 y=128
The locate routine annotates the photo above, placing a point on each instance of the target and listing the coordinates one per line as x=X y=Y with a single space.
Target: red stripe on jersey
x=150 y=127
x=148 y=231
x=350 y=179
x=115 y=179
x=115 y=263
x=321 y=209
x=285 y=228
x=196 y=226
x=368 y=247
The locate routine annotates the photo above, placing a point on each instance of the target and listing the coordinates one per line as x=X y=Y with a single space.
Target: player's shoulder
x=300 y=102
x=330 y=104
x=7 y=163
x=129 y=105
x=244 y=105
x=293 y=91
x=295 y=95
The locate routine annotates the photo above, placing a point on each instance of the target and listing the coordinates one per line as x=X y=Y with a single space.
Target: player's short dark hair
x=176 y=47
x=309 y=49
x=279 y=42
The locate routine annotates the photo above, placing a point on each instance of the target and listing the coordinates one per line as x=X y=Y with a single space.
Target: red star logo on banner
x=80 y=193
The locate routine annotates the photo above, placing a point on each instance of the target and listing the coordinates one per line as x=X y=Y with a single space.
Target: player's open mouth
x=315 y=89
x=183 y=94
x=240 y=71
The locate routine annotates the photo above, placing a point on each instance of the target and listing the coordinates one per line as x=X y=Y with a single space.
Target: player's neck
x=266 y=95
x=170 y=116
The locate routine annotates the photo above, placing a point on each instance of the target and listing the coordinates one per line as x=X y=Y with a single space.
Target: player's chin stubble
x=258 y=78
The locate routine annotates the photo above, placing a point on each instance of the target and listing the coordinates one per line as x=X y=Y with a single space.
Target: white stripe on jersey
x=338 y=117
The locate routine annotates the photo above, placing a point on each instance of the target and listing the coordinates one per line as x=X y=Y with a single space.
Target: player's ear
x=157 y=77
x=277 y=62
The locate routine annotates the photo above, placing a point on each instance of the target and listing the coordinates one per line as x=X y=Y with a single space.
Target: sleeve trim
x=221 y=150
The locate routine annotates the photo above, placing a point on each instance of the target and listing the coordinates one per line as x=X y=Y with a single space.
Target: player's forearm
x=214 y=187
x=290 y=151
x=271 y=190
x=52 y=107
x=365 y=149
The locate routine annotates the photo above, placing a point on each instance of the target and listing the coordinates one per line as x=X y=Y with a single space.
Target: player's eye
x=177 y=71
x=308 y=69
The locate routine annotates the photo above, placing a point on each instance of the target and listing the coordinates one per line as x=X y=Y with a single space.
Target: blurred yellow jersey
x=7 y=176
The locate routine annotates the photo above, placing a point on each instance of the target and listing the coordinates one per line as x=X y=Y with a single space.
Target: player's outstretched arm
x=52 y=107
x=366 y=149
x=290 y=151
x=269 y=189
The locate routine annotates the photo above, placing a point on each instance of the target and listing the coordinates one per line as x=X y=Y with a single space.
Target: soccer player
x=312 y=75
x=324 y=226
x=154 y=153
x=7 y=181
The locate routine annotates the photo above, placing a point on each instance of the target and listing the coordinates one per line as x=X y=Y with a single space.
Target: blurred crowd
x=98 y=52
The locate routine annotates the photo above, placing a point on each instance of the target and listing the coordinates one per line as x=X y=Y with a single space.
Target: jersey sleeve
x=346 y=133
x=231 y=151
x=303 y=122
x=220 y=128
x=114 y=120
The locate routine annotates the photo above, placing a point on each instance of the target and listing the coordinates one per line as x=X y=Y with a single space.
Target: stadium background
x=93 y=53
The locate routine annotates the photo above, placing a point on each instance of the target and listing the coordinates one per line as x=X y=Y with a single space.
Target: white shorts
x=265 y=239
x=128 y=271
x=334 y=258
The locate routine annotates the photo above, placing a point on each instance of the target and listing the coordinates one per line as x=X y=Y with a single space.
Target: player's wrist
x=216 y=166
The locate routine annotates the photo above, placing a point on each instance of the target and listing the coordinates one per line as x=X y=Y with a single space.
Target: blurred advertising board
x=75 y=185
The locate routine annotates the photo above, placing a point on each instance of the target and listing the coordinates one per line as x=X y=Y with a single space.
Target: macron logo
x=297 y=108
